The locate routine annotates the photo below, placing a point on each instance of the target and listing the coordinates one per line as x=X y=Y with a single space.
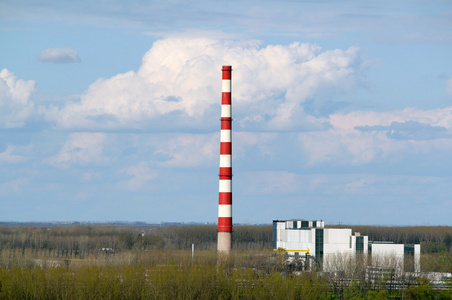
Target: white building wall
x=388 y=256
x=336 y=249
x=312 y=246
x=289 y=224
x=336 y=241
x=395 y=250
x=353 y=244
x=366 y=244
x=281 y=235
x=298 y=239
x=417 y=258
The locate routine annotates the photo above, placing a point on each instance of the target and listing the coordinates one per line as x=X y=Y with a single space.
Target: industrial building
x=331 y=247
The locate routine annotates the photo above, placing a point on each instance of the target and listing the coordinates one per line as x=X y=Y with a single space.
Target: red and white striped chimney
x=225 y=195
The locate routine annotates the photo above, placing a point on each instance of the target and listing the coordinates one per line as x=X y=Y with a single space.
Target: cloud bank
x=15 y=104
x=177 y=89
x=177 y=86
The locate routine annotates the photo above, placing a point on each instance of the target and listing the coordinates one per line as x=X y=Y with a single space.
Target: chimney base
x=224 y=242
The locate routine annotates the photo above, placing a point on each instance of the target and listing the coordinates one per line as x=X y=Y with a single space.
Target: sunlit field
x=107 y=262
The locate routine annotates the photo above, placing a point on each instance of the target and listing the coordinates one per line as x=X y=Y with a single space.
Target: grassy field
x=176 y=274
x=123 y=263
x=159 y=274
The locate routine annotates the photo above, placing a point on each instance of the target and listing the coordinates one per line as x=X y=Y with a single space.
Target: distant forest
x=82 y=240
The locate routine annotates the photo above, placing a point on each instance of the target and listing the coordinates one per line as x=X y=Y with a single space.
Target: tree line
x=82 y=240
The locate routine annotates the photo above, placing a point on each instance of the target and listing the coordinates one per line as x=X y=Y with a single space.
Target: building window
x=275 y=234
x=409 y=261
x=359 y=244
x=319 y=243
x=408 y=249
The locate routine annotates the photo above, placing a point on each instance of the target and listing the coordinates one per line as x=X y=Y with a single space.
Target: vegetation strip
x=108 y=262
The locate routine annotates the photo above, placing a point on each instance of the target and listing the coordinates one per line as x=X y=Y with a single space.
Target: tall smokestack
x=225 y=195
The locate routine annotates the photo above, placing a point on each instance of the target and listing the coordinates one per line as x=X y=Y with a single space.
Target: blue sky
x=109 y=110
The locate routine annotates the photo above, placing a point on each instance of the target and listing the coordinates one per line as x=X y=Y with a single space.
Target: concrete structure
x=332 y=247
x=225 y=190
x=403 y=256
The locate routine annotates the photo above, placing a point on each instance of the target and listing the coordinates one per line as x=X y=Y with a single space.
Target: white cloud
x=284 y=182
x=59 y=55
x=256 y=144
x=14 y=186
x=178 y=87
x=142 y=174
x=272 y=182
x=449 y=86
x=15 y=104
x=179 y=83
x=81 y=148
x=188 y=150
x=9 y=156
x=435 y=117
x=364 y=137
x=363 y=183
x=91 y=176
